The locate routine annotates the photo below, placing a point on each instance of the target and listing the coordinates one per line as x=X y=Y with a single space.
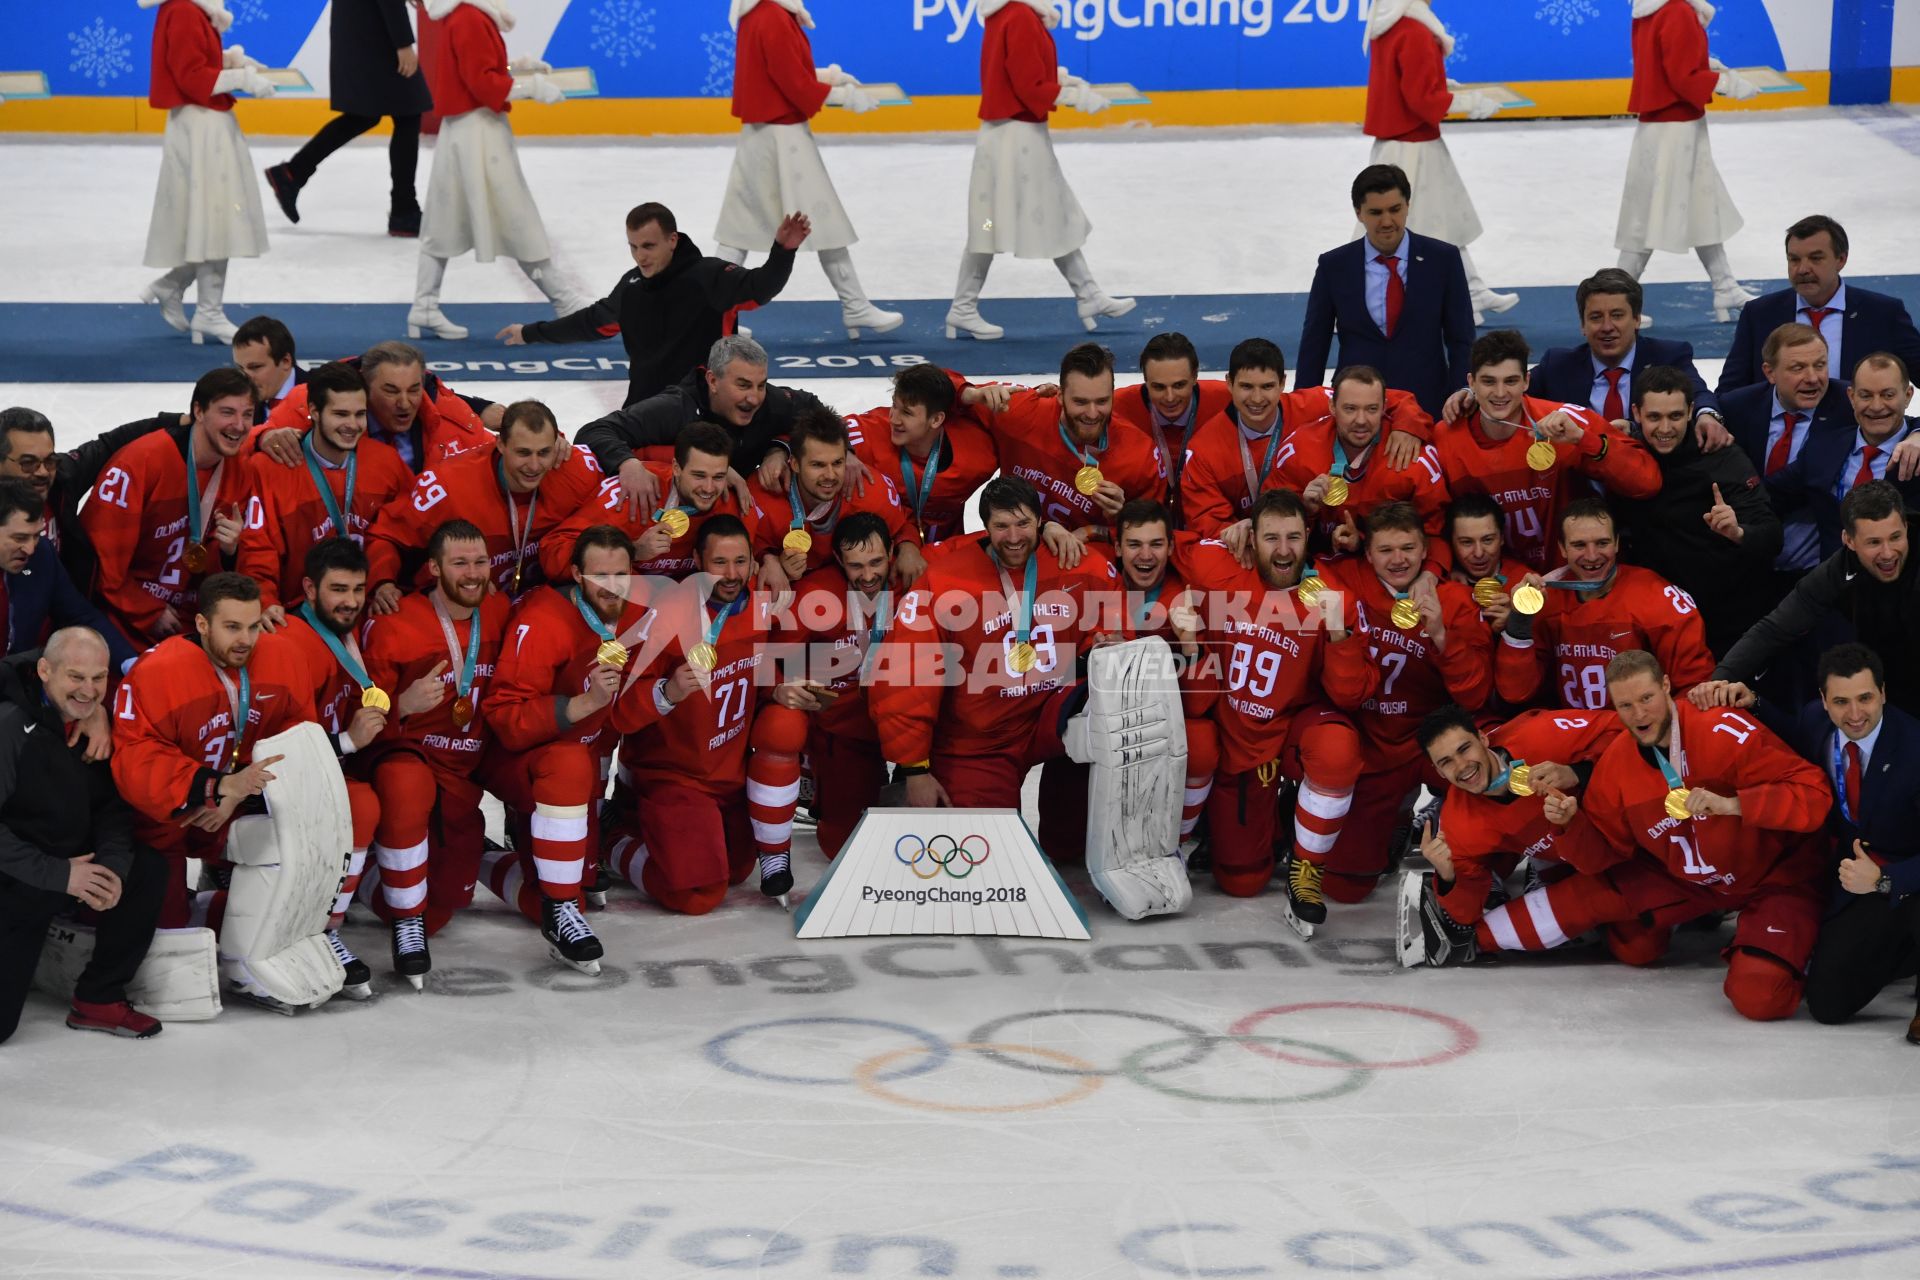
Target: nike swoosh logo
x=1775 y=929
x=1619 y=635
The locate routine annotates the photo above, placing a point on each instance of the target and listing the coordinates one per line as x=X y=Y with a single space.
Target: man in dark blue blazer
x=1854 y=321
x=1870 y=753
x=1600 y=373
x=35 y=590
x=1399 y=301
x=1832 y=462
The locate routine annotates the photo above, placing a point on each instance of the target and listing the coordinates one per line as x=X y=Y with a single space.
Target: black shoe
x=286 y=190
x=404 y=223
x=776 y=874
x=1426 y=934
x=359 y=981
x=411 y=959
x=570 y=939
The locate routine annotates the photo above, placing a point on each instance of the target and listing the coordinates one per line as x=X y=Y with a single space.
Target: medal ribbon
x=1022 y=611
x=336 y=512
x=591 y=618
x=240 y=701
x=1581 y=588
x=801 y=518
x=1674 y=780
x=718 y=623
x=917 y=495
x=464 y=681
x=520 y=532
x=876 y=625
x=1090 y=458
x=347 y=654
x=1506 y=774
x=1147 y=600
x=1256 y=479
x=200 y=500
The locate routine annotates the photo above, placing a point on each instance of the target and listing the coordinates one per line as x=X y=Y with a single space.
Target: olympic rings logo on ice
x=1161 y=1064
x=956 y=851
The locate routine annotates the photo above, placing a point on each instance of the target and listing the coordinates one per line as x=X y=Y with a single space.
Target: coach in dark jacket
x=36 y=594
x=63 y=479
x=374 y=71
x=673 y=305
x=1710 y=530
x=65 y=834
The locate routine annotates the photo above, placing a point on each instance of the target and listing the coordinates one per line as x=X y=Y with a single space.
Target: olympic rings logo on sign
x=929 y=850
x=1156 y=1065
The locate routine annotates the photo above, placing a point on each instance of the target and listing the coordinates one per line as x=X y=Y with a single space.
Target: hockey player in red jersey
x=575 y=673
x=1492 y=818
x=1170 y=404
x=323 y=628
x=514 y=495
x=1480 y=560
x=1236 y=454
x=1519 y=451
x=695 y=485
x=1429 y=648
x=968 y=699
x=434 y=658
x=930 y=439
x=188 y=714
x=169 y=509
x=1066 y=445
x=688 y=819
x=1278 y=661
x=1596 y=608
x=793 y=526
x=420 y=417
x=344 y=479
x=1689 y=812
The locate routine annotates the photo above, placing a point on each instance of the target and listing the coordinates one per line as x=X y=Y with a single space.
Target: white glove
x=536 y=87
x=1473 y=104
x=528 y=67
x=1081 y=96
x=235 y=55
x=852 y=97
x=1736 y=86
x=243 y=80
x=831 y=74
x=1714 y=64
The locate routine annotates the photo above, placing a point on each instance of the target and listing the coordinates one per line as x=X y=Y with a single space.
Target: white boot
x=1485 y=300
x=856 y=312
x=209 y=319
x=426 y=316
x=1093 y=300
x=169 y=291
x=1729 y=295
x=558 y=286
x=1633 y=262
x=964 y=315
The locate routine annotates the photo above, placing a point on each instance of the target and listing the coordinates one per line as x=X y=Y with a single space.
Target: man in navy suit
x=1870 y=753
x=1601 y=373
x=1854 y=321
x=34 y=587
x=1398 y=300
x=1834 y=462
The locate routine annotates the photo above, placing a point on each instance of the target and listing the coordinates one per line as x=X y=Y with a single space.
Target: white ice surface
x=545 y=1124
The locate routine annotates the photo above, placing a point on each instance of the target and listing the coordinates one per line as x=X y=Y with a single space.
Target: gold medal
x=797 y=540
x=1676 y=804
x=1520 y=779
x=1087 y=480
x=1487 y=590
x=196 y=557
x=1529 y=599
x=1405 y=614
x=611 y=654
x=676 y=521
x=377 y=699
x=1022 y=658
x=1336 y=493
x=1310 y=588
x=463 y=711
x=703 y=657
x=1541 y=455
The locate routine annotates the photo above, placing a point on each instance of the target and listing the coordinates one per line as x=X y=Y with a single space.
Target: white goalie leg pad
x=287 y=869
x=179 y=981
x=1134 y=736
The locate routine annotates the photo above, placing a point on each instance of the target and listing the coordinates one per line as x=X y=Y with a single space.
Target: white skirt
x=1440 y=207
x=477 y=197
x=1018 y=201
x=207 y=205
x=1674 y=199
x=777 y=170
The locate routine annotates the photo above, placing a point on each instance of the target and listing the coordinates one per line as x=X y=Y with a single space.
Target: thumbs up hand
x=1859 y=873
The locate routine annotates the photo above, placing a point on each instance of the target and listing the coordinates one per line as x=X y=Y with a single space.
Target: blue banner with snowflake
x=684 y=48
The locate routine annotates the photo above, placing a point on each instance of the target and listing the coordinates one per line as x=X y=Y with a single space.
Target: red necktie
x=1396 y=290
x=1782 y=452
x=1613 y=410
x=1867 y=455
x=1853 y=781
x=1816 y=314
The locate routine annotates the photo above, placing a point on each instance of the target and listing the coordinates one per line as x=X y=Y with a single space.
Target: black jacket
x=1668 y=534
x=1885 y=616
x=364 y=67
x=75 y=473
x=53 y=804
x=659 y=420
x=668 y=323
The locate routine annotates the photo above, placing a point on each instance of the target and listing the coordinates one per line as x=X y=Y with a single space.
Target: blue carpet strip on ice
x=105 y=342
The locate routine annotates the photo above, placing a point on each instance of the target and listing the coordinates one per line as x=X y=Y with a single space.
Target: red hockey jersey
x=773 y=517
x=336 y=695
x=966 y=461
x=1577 y=634
x=405 y=645
x=702 y=743
x=444 y=426
x=841 y=631
x=1032 y=444
x=610 y=507
x=548 y=653
x=286 y=515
